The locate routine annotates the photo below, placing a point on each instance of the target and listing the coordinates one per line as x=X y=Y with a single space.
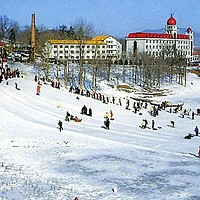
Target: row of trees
x=147 y=71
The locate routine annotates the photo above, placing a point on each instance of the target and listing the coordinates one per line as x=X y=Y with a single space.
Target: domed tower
x=171 y=27
x=189 y=32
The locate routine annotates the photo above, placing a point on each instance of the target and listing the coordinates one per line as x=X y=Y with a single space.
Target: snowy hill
x=88 y=161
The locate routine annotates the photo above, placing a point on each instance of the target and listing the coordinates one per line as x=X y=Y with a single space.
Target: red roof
x=156 y=35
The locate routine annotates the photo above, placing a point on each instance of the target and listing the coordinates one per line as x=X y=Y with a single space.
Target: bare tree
x=83 y=31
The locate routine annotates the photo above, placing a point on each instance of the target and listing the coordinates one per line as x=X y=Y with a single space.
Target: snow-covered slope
x=86 y=160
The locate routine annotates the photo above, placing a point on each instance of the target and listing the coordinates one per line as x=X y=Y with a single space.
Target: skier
x=196 y=130
x=60 y=126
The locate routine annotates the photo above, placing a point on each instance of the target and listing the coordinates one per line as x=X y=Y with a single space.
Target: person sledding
x=76 y=119
x=60 y=127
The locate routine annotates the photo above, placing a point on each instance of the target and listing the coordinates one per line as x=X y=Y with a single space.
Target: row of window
x=72 y=52
x=159 y=53
x=77 y=57
x=161 y=47
x=78 y=46
x=168 y=41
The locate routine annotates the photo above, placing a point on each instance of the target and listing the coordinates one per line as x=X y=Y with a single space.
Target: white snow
x=85 y=160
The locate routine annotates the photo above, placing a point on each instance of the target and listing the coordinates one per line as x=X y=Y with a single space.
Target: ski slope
x=85 y=160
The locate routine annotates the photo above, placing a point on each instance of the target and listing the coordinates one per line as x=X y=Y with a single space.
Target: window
x=55 y=46
x=55 y=52
x=72 y=51
x=88 y=46
x=72 y=46
x=60 y=51
x=61 y=46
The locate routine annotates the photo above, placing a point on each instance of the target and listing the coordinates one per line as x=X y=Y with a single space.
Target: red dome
x=189 y=30
x=171 y=21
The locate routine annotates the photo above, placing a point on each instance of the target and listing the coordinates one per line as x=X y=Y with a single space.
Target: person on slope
x=107 y=115
x=196 y=130
x=199 y=151
x=111 y=115
x=107 y=123
x=60 y=127
x=153 y=124
x=143 y=124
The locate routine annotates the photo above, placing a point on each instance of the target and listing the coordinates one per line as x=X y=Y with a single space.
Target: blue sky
x=114 y=17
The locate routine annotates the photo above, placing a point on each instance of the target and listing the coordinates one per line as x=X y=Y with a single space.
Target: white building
x=156 y=44
x=100 y=47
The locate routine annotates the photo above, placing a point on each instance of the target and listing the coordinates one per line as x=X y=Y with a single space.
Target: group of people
x=84 y=111
x=6 y=73
x=70 y=117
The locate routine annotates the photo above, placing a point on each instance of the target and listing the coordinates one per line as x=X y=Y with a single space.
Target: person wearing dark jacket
x=107 y=123
x=60 y=127
x=90 y=112
x=196 y=130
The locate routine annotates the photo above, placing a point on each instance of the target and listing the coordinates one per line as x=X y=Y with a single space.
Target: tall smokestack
x=33 y=31
x=32 y=56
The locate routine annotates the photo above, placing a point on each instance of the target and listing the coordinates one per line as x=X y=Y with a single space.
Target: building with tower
x=162 y=44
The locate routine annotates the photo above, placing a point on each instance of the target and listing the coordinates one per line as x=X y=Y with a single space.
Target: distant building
x=100 y=47
x=157 y=44
x=196 y=54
